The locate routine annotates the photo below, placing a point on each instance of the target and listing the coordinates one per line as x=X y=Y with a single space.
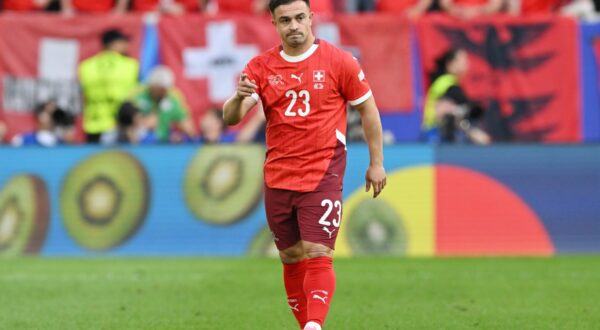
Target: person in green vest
x=449 y=115
x=106 y=80
x=163 y=107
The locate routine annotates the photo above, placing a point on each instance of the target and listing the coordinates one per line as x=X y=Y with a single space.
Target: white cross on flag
x=220 y=61
x=207 y=54
x=319 y=76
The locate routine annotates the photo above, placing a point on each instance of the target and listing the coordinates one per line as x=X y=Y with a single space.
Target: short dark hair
x=273 y=4
x=111 y=35
x=126 y=114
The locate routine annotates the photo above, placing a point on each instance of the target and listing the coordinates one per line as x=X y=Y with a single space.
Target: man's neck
x=295 y=51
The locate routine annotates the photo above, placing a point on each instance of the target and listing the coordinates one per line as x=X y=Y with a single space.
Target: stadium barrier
x=207 y=201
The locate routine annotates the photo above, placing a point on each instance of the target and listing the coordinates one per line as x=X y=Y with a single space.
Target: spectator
x=70 y=7
x=467 y=9
x=54 y=126
x=106 y=79
x=360 y=5
x=583 y=9
x=410 y=8
x=239 y=6
x=449 y=116
x=3 y=130
x=163 y=106
x=27 y=5
x=168 y=6
x=130 y=129
x=213 y=128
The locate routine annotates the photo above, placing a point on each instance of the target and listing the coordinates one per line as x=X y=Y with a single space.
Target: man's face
x=293 y=22
x=120 y=46
x=158 y=92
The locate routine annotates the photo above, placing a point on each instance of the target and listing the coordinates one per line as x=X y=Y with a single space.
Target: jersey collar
x=301 y=57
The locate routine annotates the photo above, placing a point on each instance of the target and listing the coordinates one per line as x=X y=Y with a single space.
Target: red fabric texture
x=531 y=7
x=19 y=5
x=152 y=5
x=319 y=285
x=395 y=6
x=235 y=6
x=293 y=279
x=96 y=6
x=470 y=2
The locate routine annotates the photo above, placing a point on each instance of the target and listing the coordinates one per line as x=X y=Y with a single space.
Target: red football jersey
x=151 y=5
x=471 y=2
x=304 y=98
x=395 y=6
x=20 y=5
x=235 y=6
x=96 y=6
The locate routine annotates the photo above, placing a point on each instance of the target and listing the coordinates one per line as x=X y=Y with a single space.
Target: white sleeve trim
x=341 y=137
x=255 y=97
x=361 y=99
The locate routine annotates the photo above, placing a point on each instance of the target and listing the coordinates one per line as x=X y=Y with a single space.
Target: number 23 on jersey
x=304 y=109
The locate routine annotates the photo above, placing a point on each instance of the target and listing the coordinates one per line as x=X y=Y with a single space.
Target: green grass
x=379 y=293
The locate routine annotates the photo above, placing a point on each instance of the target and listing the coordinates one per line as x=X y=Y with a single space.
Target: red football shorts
x=309 y=216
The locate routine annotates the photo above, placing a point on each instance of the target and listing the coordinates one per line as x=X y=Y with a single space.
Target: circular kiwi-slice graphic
x=24 y=215
x=224 y=183
x=104 y=199
x=375 y=228
x=263 y=245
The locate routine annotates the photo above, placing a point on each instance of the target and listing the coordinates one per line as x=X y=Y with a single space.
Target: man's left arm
x=371 y=123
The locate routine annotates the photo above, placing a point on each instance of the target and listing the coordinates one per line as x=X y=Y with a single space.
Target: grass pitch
x=374 y=293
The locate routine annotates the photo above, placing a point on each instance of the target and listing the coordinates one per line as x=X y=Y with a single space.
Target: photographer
x=449 y=116
x=54 y=126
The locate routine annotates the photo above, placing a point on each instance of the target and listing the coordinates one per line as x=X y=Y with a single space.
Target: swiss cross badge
x=319 y=76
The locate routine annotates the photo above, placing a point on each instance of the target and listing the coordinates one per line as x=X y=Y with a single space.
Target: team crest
x=275 y=80
x=319 y=76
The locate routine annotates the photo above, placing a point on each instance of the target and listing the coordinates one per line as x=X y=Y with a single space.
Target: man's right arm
x=241 y=102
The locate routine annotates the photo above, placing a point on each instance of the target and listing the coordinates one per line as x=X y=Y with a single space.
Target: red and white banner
x=39 y=55
x=207 y=54
x=524 y=72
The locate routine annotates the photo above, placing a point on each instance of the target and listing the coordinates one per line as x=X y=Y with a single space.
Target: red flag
x=382 y=45
x=523 y=70
x=207 y=54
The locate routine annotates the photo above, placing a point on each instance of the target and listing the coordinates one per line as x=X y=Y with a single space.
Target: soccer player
x=304 y=86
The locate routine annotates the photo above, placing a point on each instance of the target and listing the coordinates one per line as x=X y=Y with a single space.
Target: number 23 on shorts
x=327 y=225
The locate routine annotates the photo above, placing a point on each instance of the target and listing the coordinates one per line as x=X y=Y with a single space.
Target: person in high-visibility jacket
x=106 y=80
x=449 y=115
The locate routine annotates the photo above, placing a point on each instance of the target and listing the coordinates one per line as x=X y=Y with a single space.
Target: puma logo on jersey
x=295 y=307
x=326 y=229
x=299 y=78
x=323 y=299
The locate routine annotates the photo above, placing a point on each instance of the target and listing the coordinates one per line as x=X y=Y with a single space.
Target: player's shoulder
x=330 y=49
x=264 y=58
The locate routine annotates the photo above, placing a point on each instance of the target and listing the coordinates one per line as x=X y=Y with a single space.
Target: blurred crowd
x=119 y=110
x=464 y=9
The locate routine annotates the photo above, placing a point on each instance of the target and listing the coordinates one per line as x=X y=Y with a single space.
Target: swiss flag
x=207 y=54
x=40 y=55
